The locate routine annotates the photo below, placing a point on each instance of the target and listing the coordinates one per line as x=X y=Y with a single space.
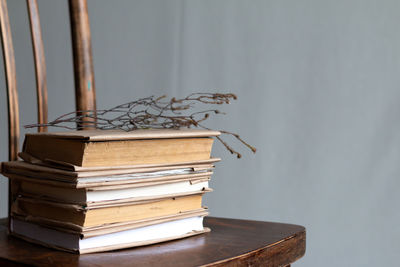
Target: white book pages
x=54 y=238
x=147 y=191
x=157 y=231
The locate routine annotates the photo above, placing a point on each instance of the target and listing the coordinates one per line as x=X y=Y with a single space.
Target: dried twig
x=151 y=112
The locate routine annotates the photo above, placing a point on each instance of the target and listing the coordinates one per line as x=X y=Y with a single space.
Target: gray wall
x=319 y=95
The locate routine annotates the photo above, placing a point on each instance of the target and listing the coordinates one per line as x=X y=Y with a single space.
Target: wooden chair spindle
x=40 y=62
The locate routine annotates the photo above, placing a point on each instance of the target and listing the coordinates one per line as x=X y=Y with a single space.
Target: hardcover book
x=117 y=148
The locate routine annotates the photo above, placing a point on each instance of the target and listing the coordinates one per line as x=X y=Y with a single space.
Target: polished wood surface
x=230 y=243
x=40 y=62
x=85 y=91
x=11 y=82
x=11 y=87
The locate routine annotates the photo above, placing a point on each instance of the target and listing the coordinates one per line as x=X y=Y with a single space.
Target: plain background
x=319 y=96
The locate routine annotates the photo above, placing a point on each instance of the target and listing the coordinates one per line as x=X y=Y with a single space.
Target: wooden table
x=230 y=243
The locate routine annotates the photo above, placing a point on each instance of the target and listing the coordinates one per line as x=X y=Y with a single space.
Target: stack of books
x=91 y=191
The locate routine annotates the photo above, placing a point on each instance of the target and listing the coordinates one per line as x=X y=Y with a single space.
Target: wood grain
x=85 y=91
x=230 y=243
x=40 y=63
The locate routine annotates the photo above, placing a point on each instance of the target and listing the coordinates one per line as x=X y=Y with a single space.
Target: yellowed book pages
x=88 y=217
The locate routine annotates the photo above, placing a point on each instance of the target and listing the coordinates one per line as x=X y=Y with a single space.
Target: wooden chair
x=230 y=243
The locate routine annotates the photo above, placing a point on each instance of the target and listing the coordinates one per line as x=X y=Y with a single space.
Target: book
x=20 y=170
x=114 y=193
x=77 y=243
x=88 y=231
x=117 y=148
x=101 y=213
x=111 y=169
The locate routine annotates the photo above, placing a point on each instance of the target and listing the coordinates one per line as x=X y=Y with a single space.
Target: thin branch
x=152 y=112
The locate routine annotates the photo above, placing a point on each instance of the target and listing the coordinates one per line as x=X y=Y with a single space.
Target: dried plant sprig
x=152 y=112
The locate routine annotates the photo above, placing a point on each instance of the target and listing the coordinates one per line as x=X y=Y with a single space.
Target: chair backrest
x=85 y=93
